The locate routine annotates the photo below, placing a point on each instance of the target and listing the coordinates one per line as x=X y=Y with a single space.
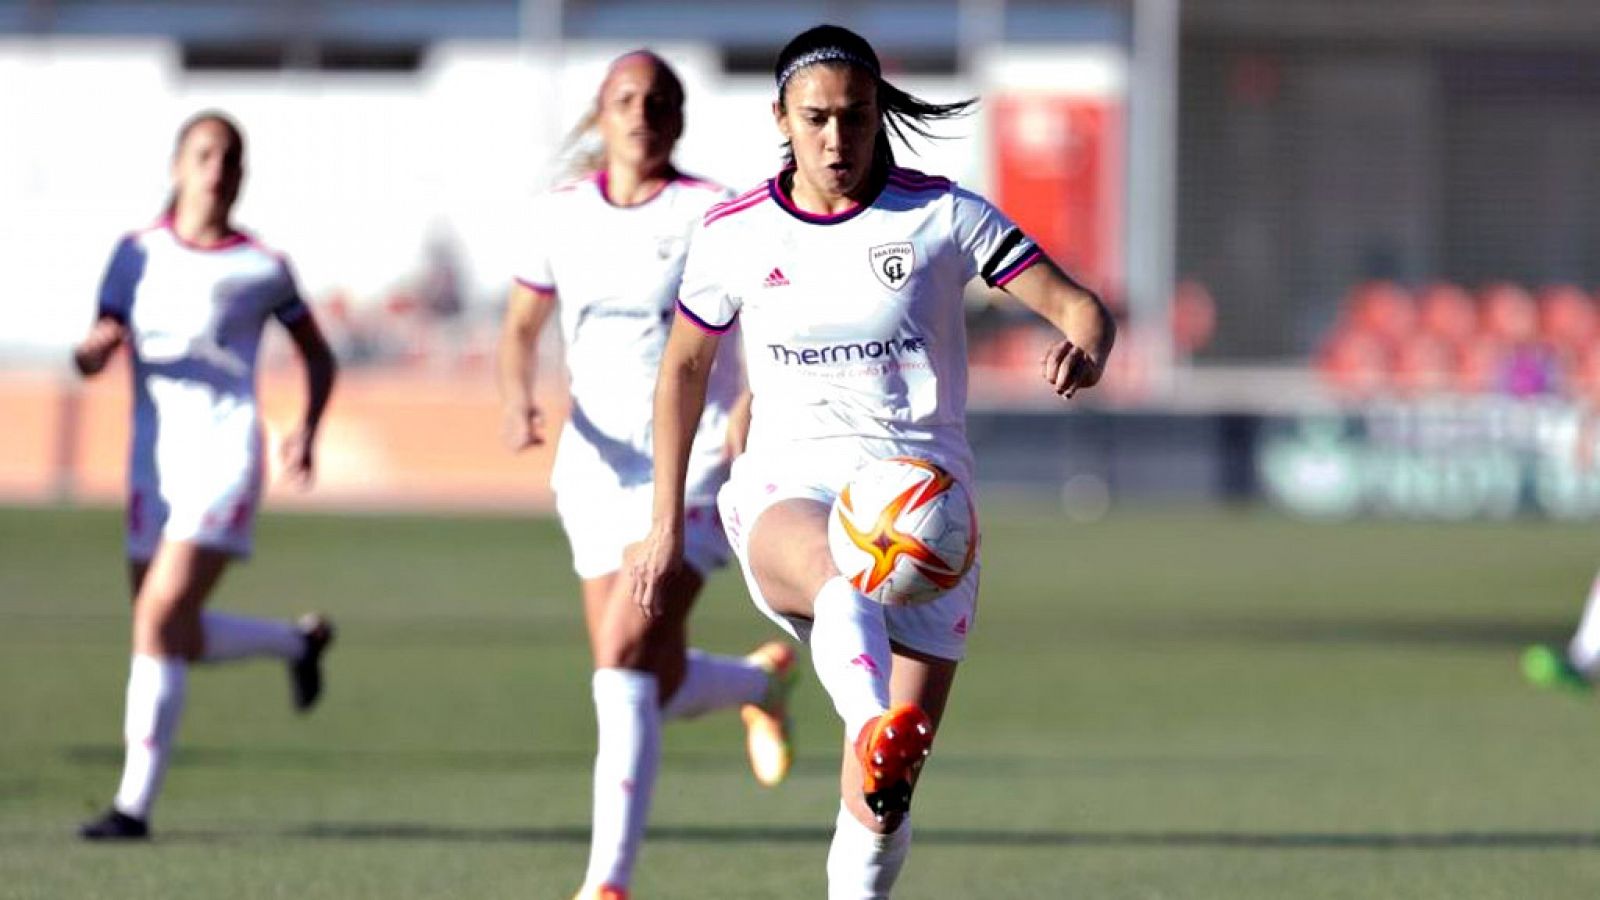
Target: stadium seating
x=1442 y=339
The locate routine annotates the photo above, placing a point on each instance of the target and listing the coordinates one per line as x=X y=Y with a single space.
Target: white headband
x=822 y=55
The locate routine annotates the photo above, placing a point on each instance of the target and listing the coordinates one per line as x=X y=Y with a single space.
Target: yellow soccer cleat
x=767 y=725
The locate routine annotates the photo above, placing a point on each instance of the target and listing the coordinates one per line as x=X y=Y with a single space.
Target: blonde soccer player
x=606 y=257
x=189 y=297
x=844 y=274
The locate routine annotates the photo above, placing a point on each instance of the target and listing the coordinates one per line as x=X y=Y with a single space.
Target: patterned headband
x=823 y=55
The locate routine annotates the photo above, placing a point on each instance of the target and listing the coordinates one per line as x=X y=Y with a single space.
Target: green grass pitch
x=1163 y=705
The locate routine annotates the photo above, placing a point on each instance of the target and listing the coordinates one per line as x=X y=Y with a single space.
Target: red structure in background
x=1567 y=318
x=1058 y=168
x=1443 y=339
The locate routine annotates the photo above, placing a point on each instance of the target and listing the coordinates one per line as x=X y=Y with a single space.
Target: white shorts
x=939 y=628
x=220 y=515
x=601 y=520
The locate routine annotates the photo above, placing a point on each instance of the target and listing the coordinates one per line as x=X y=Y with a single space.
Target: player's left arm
x=1078 y=359
x=297 y=452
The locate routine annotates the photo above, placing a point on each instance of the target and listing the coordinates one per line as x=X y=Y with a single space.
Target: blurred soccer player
x=1577 y=666
x=608 y=252
x=190 y=296
x=846 y=275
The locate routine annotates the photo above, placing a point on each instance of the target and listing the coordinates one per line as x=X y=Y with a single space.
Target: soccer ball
x=903 y=531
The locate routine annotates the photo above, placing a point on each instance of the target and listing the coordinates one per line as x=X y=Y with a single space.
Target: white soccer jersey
x=194 y=317
x=615 y=271
x=853 y=324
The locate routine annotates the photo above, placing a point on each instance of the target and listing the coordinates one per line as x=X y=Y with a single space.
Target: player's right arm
x=705 y=313
x=110 y=328
x=527 y=310
x=680 y=400
x=93 y=352
x=1078 y=359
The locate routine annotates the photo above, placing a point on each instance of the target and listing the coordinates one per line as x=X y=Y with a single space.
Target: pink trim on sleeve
x=912 y=180
x=536 y=287
x=702 y=324
x=697 y=182
x=1004 y=276
x=742 y=202
x=233 y=240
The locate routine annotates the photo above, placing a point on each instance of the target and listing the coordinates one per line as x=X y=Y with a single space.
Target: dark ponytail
x=900 y=114
x=190 y=124
x=210 y=115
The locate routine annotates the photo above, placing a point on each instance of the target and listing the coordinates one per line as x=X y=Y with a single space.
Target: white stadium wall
x=352 y=175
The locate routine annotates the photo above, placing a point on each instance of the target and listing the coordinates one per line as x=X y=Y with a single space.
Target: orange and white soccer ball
x=903 y=531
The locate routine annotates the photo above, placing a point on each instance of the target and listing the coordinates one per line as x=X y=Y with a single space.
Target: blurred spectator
x=1511 y=316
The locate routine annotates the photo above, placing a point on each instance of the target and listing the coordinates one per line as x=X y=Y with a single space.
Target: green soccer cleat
x=1546 y=667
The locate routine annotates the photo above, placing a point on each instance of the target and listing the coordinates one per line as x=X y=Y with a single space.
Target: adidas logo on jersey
x=775 y=279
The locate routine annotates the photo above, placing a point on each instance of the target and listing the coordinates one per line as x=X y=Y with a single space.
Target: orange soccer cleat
x=891 y=749
x=603 y=892
x=767 y=724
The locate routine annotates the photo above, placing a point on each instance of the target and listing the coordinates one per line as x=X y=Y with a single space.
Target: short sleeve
x=121 y=280
x=291 y=305
x=703 y=298
x=997 y=250
x=533 y=269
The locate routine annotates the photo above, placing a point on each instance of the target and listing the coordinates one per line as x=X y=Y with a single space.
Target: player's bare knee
x=625 y=650
x=164 y=631
x=791 y=577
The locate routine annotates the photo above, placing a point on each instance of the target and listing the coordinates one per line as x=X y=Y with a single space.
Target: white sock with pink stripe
x=629 y=752
x=715 y=682
x=1584 y=651
x=228 y=637
x=850 y=652
x=157 y=686
x=862 y=864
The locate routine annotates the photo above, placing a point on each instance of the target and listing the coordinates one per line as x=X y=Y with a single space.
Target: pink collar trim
x=234 y=239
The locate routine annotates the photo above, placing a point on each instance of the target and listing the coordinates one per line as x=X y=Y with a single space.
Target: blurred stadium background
x=1355 y=246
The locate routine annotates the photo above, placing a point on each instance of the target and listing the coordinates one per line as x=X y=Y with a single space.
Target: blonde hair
x=583 y=153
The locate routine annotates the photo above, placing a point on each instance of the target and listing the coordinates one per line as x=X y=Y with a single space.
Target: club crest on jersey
x=892 y=263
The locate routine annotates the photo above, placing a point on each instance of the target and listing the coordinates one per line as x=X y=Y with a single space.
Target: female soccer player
x=611 y=247
x=190 y=296
x=846 y=273
x=1575 y=667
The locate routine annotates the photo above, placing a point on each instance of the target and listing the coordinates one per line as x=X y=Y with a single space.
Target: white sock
x=156 y=689
x=237 y=637
x=850 y=651
x=715 y=682
x=626 y=710
x=862 y=864
x=1584 y=651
